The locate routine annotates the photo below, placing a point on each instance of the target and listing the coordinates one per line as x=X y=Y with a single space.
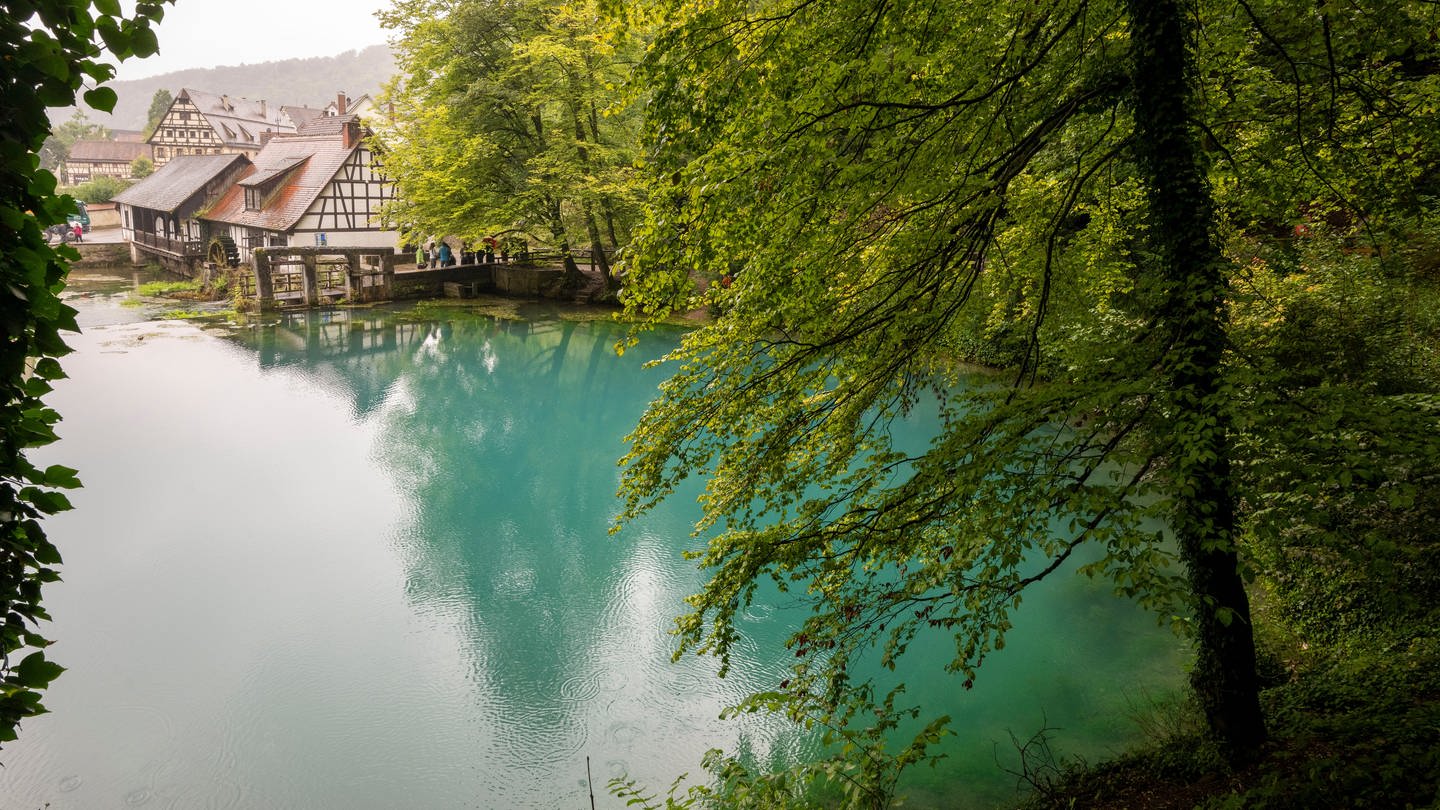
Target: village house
x=344 y=105
x=200 y=123
x=316 y=187
x=158 y=215
x=91 y=159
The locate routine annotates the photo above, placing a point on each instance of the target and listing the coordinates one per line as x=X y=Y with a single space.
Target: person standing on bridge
x=446 y=257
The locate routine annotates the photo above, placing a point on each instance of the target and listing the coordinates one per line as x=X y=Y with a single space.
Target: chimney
x=266 y=136
x=341 y=103
x=262 y=108
x=351 y=133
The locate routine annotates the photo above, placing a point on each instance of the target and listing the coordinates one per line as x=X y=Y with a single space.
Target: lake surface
x=359 y=560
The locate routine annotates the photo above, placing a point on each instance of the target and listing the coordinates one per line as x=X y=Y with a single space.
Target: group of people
x=438 y=253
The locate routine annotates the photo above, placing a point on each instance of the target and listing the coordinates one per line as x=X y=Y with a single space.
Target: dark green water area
x=359 y=559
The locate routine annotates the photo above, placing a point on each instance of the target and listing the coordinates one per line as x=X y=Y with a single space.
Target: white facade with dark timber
x=200 y=123
x=350 y=204
x=317 y=187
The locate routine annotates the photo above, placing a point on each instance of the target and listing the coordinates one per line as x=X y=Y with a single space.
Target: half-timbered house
x=88 y=160
x=318 y=186
x=158 y=215
x=200 y=123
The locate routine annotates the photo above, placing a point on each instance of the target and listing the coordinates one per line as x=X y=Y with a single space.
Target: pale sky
x=210 y=33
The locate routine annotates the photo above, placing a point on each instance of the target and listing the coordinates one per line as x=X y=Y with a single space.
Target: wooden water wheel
x=222 y=252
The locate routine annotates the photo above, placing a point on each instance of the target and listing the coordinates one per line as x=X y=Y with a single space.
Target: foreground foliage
x=1246 y=356
x=49 y=53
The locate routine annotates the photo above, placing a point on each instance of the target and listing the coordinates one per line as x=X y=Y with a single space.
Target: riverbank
x=1353 y=724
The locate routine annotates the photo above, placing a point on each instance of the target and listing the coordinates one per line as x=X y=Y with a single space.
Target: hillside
x=309 y=82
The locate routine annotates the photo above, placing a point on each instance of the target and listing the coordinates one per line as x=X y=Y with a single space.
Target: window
x=252 y=199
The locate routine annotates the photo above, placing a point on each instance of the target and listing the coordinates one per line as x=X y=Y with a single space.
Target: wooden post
x=264 y=284
x=312 y=284
x=354 y=280
x=387 y=277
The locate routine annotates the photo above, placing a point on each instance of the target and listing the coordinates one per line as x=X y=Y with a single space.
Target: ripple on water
x=614 y=679
x=551 y=734
x=760 y=613
x=219 y=795
x=581 y=688
x=623 y=733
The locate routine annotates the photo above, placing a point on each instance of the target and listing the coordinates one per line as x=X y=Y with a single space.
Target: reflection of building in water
x=503 y=435
x=352 y=350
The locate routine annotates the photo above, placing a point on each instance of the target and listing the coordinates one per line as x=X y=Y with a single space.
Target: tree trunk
x=573 y=277
x=1192 y=324
x=597 y=248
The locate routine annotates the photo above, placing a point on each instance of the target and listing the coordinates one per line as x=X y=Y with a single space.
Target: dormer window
x=253 y=198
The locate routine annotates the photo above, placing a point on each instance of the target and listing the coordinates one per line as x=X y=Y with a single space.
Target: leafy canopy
x=50 y=54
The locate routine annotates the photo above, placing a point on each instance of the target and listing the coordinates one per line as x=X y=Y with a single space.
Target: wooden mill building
x=314 y=187
x=317 y=187
x=159 y=215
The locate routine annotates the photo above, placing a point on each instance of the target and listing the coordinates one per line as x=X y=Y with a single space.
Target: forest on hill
x=309 y=82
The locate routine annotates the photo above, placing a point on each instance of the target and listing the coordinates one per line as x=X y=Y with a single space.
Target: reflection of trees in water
x=503 y=436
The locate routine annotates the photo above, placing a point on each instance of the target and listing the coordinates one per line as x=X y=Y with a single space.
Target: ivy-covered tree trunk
x=1192 y=321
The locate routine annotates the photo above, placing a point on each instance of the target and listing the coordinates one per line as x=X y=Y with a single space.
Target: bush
x=101 y=189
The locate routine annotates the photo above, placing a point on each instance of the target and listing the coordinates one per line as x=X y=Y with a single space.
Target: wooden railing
x=175 y=247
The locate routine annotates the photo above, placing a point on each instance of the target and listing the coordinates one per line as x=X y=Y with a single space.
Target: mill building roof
x=177 y=181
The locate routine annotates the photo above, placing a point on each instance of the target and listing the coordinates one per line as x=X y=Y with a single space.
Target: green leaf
x=36 y=672
x=101 y=98
x=60 y=476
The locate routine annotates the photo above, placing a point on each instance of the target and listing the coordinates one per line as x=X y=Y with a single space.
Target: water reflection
x=359 y=559
x=502 y=437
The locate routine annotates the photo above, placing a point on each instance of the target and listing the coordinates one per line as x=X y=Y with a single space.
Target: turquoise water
x=351 y=560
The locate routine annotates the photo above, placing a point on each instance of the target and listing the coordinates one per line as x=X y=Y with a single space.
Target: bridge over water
x=309 y=276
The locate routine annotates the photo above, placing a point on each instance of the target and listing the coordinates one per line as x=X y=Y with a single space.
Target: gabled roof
x=282 y=167
x=238 y=121
x=108 y=151
x=177 y=181
x=329 y=125
x=352 y=105
x=302 y=115
x=311 y=161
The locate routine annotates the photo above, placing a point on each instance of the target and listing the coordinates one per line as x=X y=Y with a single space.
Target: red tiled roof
x=312 y=162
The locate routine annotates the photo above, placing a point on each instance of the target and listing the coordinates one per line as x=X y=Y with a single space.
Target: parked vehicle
x=81 y=215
